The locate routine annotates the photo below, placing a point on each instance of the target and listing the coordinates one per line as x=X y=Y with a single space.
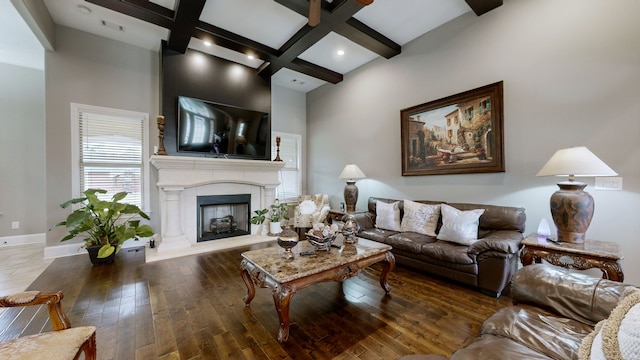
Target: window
x=290 y=187
x=109 y=151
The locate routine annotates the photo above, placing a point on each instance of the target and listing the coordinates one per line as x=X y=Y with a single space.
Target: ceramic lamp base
x=351 y=196
x=572 y=211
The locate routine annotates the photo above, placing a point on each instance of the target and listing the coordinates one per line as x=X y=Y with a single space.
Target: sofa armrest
x=504 y=241
x=364 y=220
x=578 y=296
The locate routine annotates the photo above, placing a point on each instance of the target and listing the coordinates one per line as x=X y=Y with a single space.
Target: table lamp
x=571 y=206
x=351 y=172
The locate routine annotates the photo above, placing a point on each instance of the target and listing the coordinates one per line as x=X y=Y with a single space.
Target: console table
x=338 y=215
x=604 y=255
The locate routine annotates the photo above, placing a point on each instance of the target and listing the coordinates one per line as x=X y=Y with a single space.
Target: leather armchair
x=311 y=209
x=64 y=342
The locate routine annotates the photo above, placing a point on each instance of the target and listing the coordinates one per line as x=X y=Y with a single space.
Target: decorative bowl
x=321 y=243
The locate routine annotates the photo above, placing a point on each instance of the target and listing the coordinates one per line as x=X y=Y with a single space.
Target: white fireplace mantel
x=182 y=179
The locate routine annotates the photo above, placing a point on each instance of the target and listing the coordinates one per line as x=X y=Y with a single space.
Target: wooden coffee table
x=268 y=269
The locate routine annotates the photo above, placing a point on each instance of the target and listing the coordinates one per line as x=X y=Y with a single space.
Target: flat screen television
x=222 y=130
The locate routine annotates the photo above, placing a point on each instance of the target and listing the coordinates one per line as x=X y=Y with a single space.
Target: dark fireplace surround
x=223 y=216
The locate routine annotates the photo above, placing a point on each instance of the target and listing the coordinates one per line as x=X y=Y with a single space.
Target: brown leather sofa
x=487 y=264
x=556 y=309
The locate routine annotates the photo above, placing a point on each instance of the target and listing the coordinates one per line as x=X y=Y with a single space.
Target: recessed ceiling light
x=251 y=57
x=207 y=43
x=340 y=52
x=84 y=10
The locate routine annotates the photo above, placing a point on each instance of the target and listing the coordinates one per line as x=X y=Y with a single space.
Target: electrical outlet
x=15 y=225
x=608 y=183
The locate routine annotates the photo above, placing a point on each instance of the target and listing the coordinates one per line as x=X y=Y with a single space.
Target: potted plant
x=106 y=225
x=259 y=218
x=279 y=211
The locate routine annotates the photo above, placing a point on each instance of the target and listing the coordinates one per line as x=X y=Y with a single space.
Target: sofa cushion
x=459 y=226
x=388 y=216
x=409 y=241
x=375 y=234
x=490 y=347
x=420 y=218
x=448 y=251
x=550 y=334
x=616 y=337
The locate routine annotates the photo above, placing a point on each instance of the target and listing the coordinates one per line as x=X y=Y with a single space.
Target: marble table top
x=605 y=249
x=270 y=260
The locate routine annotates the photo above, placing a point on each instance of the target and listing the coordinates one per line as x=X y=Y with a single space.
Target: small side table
x=604 y=255
x=337 y=215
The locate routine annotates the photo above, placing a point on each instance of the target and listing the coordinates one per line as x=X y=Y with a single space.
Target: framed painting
x=458 y=134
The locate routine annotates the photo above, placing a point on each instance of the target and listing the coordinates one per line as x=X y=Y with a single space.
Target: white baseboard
x=23 y=239
x=52 y=252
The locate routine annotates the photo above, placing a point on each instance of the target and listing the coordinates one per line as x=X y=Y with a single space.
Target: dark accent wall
x=206 y=77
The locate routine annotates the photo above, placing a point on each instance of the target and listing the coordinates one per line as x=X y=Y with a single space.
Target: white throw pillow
x=459 y=226
x=388 y=215
x=616 y=337
x=420 y=218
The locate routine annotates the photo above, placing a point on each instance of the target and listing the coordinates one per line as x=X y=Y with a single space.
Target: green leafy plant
x=279 y=211
x=105 y=223
x=260 y=217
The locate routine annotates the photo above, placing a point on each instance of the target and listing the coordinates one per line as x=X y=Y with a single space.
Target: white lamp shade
x=352 y=171
x=576 y=161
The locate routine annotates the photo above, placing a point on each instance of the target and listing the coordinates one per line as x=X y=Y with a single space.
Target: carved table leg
x=251 y=290
x=612 y=271
x=389 y=264
x=281 y=298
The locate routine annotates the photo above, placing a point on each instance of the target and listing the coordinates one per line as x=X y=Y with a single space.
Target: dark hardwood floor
x=191 y=308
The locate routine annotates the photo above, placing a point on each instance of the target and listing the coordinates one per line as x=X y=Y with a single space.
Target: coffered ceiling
x=271 y=36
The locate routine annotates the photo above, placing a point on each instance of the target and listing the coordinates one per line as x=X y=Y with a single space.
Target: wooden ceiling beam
x=480 y=7
x=184 y=24
x=145 y=13
x=361 y=34
x=229 y=40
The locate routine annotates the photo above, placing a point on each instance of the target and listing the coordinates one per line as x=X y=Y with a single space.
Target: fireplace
x=223 y=216
x=181 y=180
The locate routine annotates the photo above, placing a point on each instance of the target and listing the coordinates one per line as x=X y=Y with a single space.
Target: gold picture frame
x=458 y=134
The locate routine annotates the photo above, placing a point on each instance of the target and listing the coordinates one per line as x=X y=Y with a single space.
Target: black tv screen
x=222 y=130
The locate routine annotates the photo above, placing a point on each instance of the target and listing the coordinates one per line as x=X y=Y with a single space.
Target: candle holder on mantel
x=277 y=149
x=161 y=149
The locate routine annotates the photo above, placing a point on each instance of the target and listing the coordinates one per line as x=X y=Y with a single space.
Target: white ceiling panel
x=295 y=80
x=169 y=4
x=135 y=32
x=224 y=53
x=325 y=54
x=405 y=20
x=264 y=21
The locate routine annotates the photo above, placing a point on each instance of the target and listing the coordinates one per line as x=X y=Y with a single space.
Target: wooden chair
x=64 y=342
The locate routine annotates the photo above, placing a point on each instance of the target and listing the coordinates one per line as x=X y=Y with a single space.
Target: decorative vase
x=93 y=255
x=349 y=231
x=288 y=239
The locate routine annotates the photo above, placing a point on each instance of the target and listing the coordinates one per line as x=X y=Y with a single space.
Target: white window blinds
x=291 y=174
x=111 y=151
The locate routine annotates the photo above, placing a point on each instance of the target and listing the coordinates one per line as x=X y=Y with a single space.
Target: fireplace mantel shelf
x=201 y=163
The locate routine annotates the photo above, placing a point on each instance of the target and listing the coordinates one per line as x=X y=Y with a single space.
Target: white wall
x=289 y=115
x=21 y=151
x=92 y=70
x=571 y=72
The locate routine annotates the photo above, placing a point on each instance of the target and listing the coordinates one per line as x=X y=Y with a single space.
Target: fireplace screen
x=223 y=216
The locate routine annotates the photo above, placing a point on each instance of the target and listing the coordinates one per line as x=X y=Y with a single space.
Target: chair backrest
x=311 y=209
